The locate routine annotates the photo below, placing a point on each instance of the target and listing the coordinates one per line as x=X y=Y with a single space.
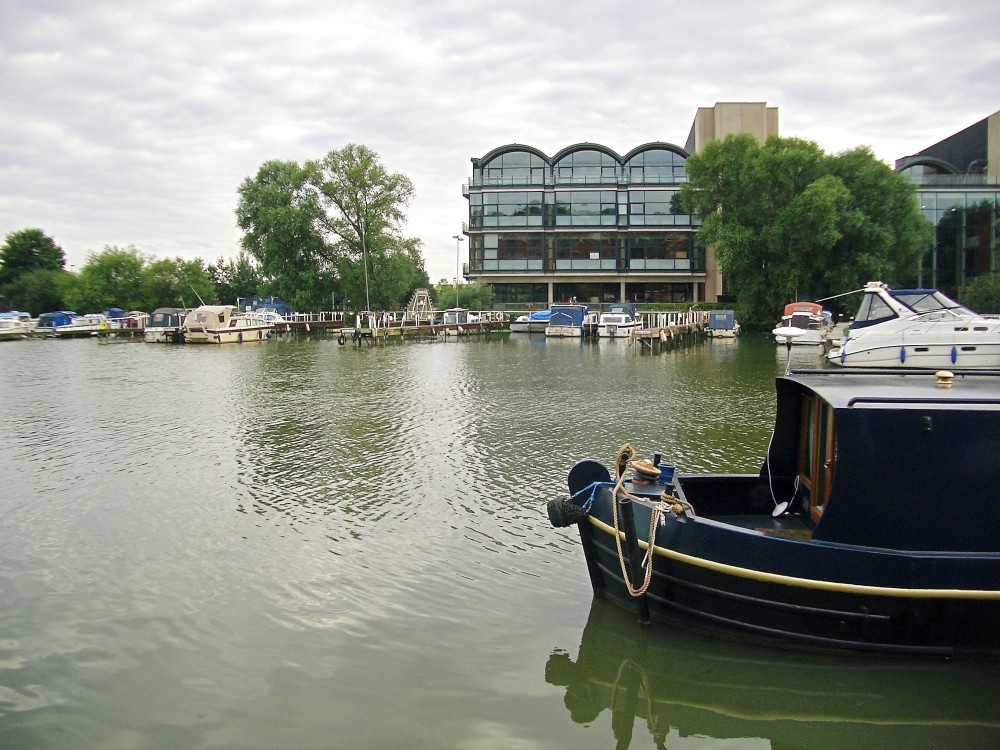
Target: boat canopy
x=55 y=319
x=721 y=320
x=568 y=315
x=810 y=308
x=167 y=317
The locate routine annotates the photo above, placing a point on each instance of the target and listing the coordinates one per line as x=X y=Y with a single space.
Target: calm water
x=302 y=545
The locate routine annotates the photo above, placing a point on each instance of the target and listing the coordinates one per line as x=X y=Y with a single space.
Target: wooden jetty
x=665 y=329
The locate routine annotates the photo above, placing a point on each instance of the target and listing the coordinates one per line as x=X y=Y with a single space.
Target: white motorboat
x=618 y=322
x=917 y=328
x=222 y=324
x=535 y=322
x=14 y=325
x=815 y=322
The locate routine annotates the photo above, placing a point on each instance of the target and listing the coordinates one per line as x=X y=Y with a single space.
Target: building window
x=657 y=167
x=577 y=208
x=514 y=168
x=660 y=251
x=507 y=209
x=586 y=167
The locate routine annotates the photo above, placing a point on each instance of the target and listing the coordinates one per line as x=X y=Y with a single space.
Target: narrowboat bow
x=872 y=524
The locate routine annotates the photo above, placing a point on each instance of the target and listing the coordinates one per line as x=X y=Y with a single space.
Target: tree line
x=322 y=235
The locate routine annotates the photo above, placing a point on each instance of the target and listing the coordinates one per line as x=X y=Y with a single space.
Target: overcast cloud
x=132 y=123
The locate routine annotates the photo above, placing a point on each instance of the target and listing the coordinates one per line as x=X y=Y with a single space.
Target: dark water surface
x=302 y=545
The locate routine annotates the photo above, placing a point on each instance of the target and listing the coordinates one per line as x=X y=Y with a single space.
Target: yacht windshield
x=929 y=300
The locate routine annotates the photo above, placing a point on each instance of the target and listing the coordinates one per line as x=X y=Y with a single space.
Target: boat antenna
x=200 y=300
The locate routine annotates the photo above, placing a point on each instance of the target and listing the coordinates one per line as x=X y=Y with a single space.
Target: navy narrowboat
x=872 y=524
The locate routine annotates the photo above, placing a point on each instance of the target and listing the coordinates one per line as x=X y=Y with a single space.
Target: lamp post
x=458 y=249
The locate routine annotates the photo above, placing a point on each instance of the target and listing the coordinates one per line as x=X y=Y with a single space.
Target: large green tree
x=28 y=250
x=282 y=220
x=364 y=211
x=786 y=221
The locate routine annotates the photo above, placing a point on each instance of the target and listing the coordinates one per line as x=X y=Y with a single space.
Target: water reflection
x=667 y=685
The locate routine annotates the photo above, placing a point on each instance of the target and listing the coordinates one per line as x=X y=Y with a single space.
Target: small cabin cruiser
x=917 y=328
x=618 y=322
x=815 y=322
x=872 y=523
x=14 y=325
x=567 y=321
x=535 y=322
x=222 y=324
x=166 y=325
x=722 y=324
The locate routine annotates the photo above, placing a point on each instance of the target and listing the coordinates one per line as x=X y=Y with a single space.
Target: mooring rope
x=667 y=503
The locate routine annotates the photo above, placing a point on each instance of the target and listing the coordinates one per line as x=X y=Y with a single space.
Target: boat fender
x=563 y=513
x=902 y=354
x=239 y=337
x=342 y=340
x=260 y=335
x=954 y=355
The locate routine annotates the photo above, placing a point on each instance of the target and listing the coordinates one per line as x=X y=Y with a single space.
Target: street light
x=458 y=249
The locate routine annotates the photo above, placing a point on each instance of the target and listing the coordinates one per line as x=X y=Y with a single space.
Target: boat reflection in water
x=683 y=684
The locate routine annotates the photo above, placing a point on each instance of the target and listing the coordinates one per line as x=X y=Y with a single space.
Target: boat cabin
x=898 y=461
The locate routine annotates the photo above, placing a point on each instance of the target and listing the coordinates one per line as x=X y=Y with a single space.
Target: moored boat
x=535 y=322
x=917 y=328
x=222 y=324
x=722 y=324
x=872 y=523
x=810 y=317
x=166 y=325
x=14 y=325
x=618 y=322
x=566 y=321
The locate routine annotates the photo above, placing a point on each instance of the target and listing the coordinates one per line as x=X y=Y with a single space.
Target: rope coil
x=667 y=503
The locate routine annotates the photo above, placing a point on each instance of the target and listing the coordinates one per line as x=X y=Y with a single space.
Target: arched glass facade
x=615 y=223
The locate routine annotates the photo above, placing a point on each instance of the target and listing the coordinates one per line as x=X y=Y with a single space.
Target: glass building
x=585 y=223
x=595 y=226
x=958 y=183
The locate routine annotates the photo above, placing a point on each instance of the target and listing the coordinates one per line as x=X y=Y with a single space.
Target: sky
x=133 y=123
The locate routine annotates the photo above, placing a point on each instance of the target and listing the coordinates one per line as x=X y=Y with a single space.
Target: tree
x=236 y=279
x=40 y=291
x=474 y=296
x=29 y=250
x=111 y=278
x=282 y=220
x=175 y=282
x=787 y=221
x=364 y=212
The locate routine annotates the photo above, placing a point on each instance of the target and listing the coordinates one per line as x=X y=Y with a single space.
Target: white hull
x=982 y=355
x=233 y=335
x=520 y=326
x=564 y=331
x=617 y=331
x=161 y=335
x=920 y=329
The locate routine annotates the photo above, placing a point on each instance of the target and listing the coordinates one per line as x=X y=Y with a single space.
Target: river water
x=303 y=545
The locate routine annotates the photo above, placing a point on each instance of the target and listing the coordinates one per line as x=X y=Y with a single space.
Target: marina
x=237 y=573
